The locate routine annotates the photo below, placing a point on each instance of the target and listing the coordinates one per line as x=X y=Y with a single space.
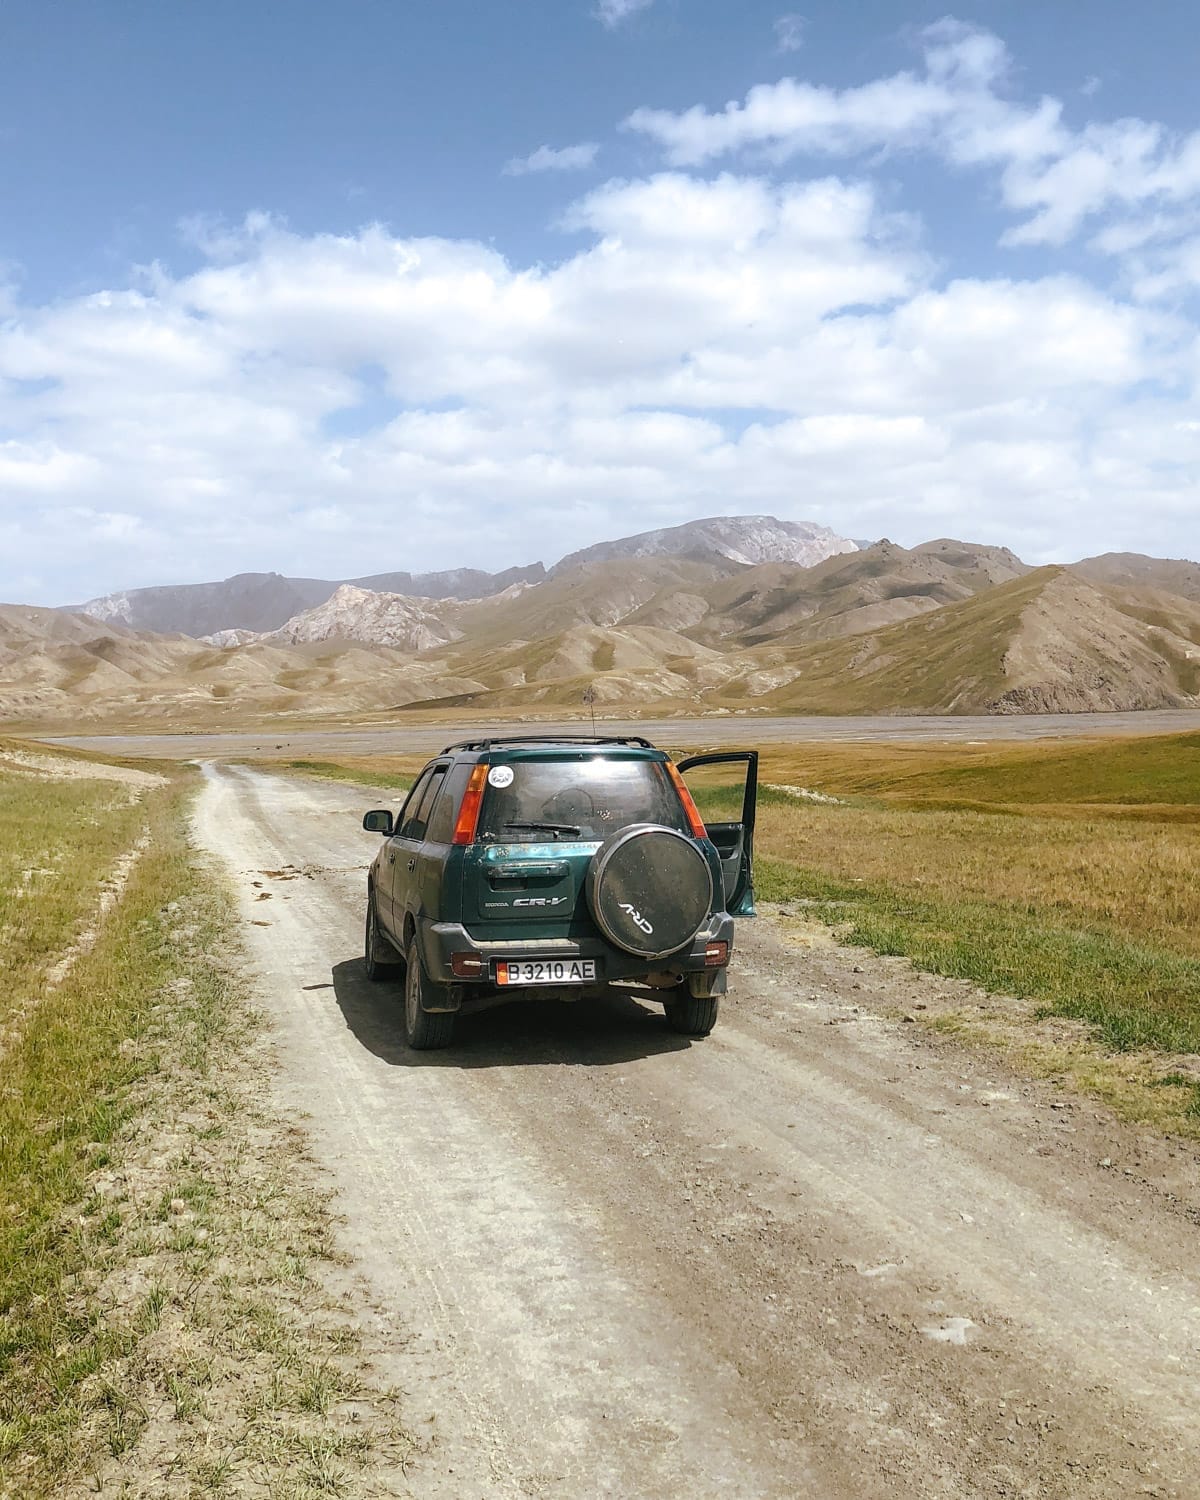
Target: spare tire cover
x=650 y=890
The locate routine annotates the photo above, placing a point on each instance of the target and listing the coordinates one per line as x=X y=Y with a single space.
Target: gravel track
x=420 y=736
x=820 y=1253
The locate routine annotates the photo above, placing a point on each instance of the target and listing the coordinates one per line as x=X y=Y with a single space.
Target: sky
x=337 y=289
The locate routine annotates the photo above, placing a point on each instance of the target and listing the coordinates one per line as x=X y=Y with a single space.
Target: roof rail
x=549 y=739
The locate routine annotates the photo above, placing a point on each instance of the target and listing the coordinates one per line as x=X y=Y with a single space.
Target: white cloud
x=959 y=108
x=789 y=32
x=612 y=12
x=550 y=159
x=733 y=344
x=740 y=340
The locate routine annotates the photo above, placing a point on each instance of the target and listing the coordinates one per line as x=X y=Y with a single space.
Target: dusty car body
x=543 y=867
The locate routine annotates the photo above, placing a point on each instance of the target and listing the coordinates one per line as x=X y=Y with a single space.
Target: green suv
x=551 y=868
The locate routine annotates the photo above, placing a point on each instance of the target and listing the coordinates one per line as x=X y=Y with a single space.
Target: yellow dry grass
x=1139 y=879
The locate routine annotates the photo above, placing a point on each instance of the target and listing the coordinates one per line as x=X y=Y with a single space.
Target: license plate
x=547 y=971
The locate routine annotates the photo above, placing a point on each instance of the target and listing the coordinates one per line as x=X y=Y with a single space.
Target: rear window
x=577 y=799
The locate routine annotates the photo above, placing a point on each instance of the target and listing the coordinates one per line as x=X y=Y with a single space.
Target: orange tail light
x=468 y=813
x=695 y=821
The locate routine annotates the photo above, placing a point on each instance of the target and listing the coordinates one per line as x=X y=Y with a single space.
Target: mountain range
x=732 y=614
x=267 y=601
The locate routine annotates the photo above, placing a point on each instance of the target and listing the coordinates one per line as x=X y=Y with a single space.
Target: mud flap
x=438 y=999
x=703 y=985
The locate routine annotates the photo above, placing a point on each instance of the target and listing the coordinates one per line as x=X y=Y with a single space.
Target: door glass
x=409 y=811
x=725 y=785
x=414 y=827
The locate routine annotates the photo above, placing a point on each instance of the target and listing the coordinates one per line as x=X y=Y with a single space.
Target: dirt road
x=420 y=736
x=818 y=1254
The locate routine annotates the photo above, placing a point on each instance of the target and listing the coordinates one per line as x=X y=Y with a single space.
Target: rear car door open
x=734 y=838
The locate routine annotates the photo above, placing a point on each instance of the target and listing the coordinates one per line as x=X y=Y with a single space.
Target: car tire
x=380 y=959
x=423 y=1030
x=693 y=1015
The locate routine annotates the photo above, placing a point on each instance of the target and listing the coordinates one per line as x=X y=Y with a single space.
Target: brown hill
x=1049 y=642
x=947 y=627
x=24 y=625
x=381 y=619
x=622 y=664
x=849 y=594
x=262 y=602
x=601 y=594
x=1131 y=570
x=59 y=669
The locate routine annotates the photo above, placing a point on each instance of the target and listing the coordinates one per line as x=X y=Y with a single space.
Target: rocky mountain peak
x=748 y=540
x=358 y=614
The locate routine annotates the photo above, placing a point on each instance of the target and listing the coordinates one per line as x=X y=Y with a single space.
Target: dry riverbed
x=825 y=1251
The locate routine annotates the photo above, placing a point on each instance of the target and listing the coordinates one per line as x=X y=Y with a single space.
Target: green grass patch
x=58 y=842
x=1093 y=916
x=67 y=1078
x=358 y=774
x=1156 y=771
x=149 y=1194
x=1133 y=994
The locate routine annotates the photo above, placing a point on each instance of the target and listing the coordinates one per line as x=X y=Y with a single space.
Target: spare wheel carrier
x=650 y=890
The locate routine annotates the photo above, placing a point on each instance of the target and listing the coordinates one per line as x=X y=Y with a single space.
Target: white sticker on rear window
x=500 y=776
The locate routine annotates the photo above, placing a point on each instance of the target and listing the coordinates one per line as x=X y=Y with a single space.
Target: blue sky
x=281 y=294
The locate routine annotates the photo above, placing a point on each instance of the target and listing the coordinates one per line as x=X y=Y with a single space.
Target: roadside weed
x=147 y=1187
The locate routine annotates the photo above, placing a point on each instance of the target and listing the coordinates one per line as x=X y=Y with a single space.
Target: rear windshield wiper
x=546 y=827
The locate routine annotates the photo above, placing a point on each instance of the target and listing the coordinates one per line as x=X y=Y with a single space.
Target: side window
x=412 y=802
x=414 y=827
x=440 y=829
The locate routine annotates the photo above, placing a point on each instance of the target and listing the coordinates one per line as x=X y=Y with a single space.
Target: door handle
x=391 y=856
x=412 y=864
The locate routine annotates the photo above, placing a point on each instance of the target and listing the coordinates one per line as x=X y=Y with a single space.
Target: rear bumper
x=438 y=940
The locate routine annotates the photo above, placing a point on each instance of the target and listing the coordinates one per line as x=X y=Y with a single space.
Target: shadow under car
x=615 y=1028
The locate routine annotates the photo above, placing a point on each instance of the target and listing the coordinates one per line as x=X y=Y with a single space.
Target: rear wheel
x=423 y=1030
x=380 y=959
x=693 y=1015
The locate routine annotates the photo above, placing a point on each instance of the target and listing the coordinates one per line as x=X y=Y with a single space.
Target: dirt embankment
x=819 y=1253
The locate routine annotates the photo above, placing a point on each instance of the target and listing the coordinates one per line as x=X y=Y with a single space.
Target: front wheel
x=693 y=1015
x=423 y=1030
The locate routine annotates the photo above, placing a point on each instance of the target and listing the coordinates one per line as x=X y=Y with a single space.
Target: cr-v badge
x=638 y=919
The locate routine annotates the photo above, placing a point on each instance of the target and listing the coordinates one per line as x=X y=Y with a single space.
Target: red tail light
x=695 y=821
x=468 y=813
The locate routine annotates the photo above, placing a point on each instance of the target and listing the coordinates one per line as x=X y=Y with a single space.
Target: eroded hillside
x=946 y=627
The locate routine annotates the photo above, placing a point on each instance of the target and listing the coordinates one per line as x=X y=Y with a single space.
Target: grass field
x=156 y=1236
x=1065 y=876
x=60 y=840
x=394 y=773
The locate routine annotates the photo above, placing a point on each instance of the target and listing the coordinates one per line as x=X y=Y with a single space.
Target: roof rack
x=549 y=739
